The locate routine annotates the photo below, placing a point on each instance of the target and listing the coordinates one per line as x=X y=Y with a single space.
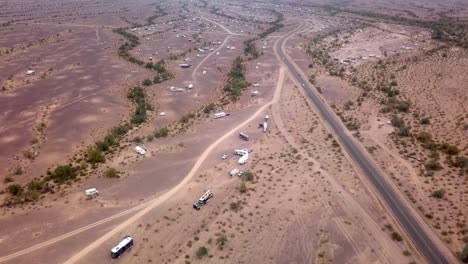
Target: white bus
x=123 y=245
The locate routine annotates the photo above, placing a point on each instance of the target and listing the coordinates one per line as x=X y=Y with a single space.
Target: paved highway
x=402 y=213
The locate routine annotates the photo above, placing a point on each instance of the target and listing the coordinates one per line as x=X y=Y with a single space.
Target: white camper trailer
x=91 y=192
x=243 y=160
x=220 y=114
x=140 y=150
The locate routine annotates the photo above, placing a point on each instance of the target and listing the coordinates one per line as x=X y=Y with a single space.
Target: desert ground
x=82 y=83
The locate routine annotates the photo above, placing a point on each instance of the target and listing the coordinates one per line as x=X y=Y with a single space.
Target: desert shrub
x=15 y=189
x=112 y=173
x=397 y=237
x=202 y=251
x=248 y=176
x=18 y=170
x=397 y=121
x=438 y=193
x=8 y=179
x=94 y=156
x=235 y=206
x=149 y=65
x=403 y=106
x=236 y=83
x=34 y=140
x=147 y=82
x=425 y=121
x=137 y=140
x=28 y=154
x=463 y=255
x=163 y=132
x=243 y=188
x=150 y=138
x=348 y=104
x=424 y=137
x=433 y=165
x=404 y=131
x=209 y=108
x=63 y=173
x=449 y=149
x=221 y=241
x=138 y=97
x=461 y=162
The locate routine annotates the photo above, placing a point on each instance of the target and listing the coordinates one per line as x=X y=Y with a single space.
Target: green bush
x=15 y=189
x=425 y=121
x=397 y=121
x=163 y=132
x=248 y=176
x=424 y=137
x=243 y=188
x=209 y=108
x=404 y=131
x=202 y=251
x=94 y=156
x=112 y=173
x=438 y=193
x=8 y=179
x=433 y=165
x=63 y=173
x=463 y=255
x=235 y=206
x=449 y=149
x=462 y=163
x=221 y=241
x=397 y=237
x=147 y=82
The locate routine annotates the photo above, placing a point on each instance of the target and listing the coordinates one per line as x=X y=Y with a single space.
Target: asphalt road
x=400 y=211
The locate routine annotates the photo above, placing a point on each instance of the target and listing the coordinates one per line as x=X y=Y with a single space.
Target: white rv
x=243 y=160
x=123 y=245
x=140 y=150
x=220 y=114
x=91 y=192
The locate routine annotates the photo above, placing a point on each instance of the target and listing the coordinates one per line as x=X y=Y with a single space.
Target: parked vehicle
x=244 y=136
x=203 y=199
x=234 y=172
x=225 y=156
x=91 y=192
x=220 y=114
x=140 y=150
x=124 y=244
